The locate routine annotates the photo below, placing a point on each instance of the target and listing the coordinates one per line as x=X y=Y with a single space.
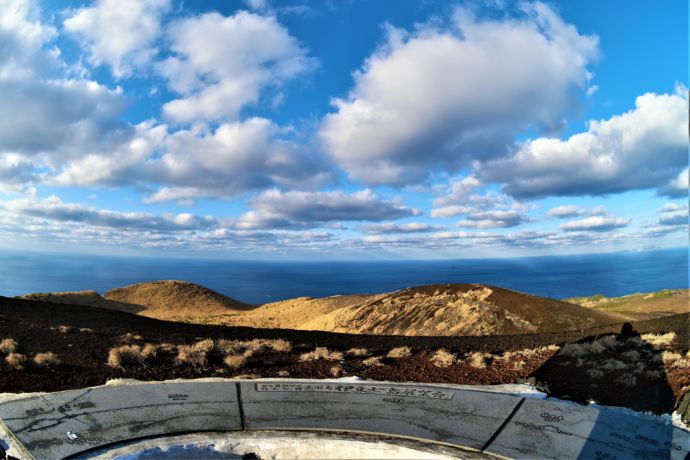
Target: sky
x=296 y=129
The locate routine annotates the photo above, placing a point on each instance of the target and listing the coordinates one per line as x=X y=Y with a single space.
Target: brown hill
x=459 y=309
x=172 y=299
x=86 y=298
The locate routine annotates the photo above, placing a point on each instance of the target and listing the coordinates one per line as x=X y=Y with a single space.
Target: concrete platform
x=489 y=424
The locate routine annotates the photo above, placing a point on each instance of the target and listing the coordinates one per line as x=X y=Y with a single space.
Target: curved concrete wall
x=64 y=424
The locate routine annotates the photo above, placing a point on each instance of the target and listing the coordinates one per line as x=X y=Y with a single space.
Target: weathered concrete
x=62 y=424
x=550 y=429
x=433 y=413
x=108 y=414
x=282 y=445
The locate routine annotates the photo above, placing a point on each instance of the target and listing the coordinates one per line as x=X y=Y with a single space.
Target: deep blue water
x=258 y=282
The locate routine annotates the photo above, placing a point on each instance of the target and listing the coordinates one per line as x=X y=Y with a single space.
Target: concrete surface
x=459 y=418
x=281 y=445
x=56 y=425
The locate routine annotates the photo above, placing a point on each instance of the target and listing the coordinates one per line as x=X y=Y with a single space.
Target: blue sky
x=335 y=130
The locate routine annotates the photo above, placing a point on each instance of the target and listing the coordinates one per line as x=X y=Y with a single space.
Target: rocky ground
x=646 y=369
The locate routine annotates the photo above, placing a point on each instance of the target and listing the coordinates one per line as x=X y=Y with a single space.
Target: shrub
x=16 y=360
x=189 y=354
x=125 y=355
x=659 y=340
x=48 y=359
x=478 y=359
x=205 y=345
x=442 y=358
x=357 y=352
x=8 y=346
x=373 y=361
x=150 y=350
x=399 y=352
x=321 y=353
x=235 y=361
x=65 y=329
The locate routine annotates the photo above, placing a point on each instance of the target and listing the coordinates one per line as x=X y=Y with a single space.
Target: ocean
x=259 y=282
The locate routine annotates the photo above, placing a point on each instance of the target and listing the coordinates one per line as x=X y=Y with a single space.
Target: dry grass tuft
x=283 y=373
x=8 y=346
x=86 y=330
x=399 y=352
x=235 y=361
x=374 y=361
x=48 y=359
x=192 y=355
x=251 y=347
x=627 y=380
x=321 y=353
x=129 y=337
x=65 y=329
x=442 y=358
x=336 y=371
x=125 y=355
x=595 y=373
x=205 y=345
x=150 y=350
x=16 y=360
x=659 y=340
x=357 y=352
x=478 y=360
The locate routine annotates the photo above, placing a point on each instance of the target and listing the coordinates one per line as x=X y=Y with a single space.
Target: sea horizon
x=261 y=281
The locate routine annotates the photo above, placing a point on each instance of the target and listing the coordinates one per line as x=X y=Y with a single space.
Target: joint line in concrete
x=503 y=425
x=239 y=404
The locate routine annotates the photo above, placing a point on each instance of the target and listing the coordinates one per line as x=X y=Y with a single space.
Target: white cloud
x=640 y=149
x=53 y=208
x=277 y=209
x=493 y=219
x=188 y=164
x=595 y=224
x=566 y=211
x=221 y=64
x=673 y=214
x=678 y=186
x=119 y=33
x=410 y=227
x=48 y=117
x=440 y=98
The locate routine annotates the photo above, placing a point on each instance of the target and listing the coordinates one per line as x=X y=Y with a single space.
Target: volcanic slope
x=172 y=299
x=85 y=298
x=639 y=306
x=459 y=309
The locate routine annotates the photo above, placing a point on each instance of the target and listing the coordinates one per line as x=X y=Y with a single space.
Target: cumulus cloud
x=118 y=33
x=595 y=224
x=47 y=116
x=678 y=186
x=221 y=64
x=673 y=214
x=568 y=210
x=410 y=227
x=187 y=164
x=294 y=209
x=440 y=98
x=643 y=148
x=53 y=208
x=493 y=219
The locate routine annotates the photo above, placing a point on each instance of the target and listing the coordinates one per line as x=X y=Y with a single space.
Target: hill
x=639 y=305
x=172 y=299
x=459 y=309
x=86 y=298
